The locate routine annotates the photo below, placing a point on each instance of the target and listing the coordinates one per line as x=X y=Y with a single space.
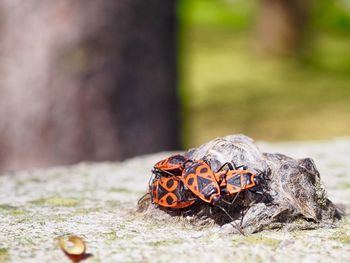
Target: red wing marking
x=200 y=179
x=173 y=163
x=238 y=180
x=170 y=192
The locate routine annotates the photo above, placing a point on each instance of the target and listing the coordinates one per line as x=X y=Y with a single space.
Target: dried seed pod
x=74 y=248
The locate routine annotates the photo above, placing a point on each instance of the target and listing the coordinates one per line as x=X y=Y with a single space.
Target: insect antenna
x=158 y=171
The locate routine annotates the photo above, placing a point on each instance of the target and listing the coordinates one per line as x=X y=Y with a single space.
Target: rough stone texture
x=98 y=201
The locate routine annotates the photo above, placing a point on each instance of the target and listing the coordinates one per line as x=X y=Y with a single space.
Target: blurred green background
x=230 y=84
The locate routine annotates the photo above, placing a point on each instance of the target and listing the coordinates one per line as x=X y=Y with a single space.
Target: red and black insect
x=172 y=165
x=199 y=178
x=170 y=192
x=166 y=188
x=178 y=182
x=236 y=181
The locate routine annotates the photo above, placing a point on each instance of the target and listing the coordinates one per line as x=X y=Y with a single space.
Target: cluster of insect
x=178 y=182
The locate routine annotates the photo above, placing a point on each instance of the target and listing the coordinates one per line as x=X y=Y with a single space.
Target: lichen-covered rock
x=97 y=202
x=293 y=186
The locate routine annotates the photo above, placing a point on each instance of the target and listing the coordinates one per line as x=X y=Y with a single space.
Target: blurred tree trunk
x=86 y=80
x=282 y=24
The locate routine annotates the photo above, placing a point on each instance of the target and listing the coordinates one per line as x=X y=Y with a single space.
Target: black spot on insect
x=209 y=191
x=203 y=170
x=191 y=167
x=169 y=200
x=190 y=181
x=235 y=180
x=169 y=183
x=203 y=183
x=177 y=159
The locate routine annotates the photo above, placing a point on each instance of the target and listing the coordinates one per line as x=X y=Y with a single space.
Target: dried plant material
x=74 y=248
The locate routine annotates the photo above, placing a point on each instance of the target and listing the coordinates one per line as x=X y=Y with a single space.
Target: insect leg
x=142 y=198
x=234 y=199
x=251 y=205
x=233 y=223
x=231 y=166
x=243 y=167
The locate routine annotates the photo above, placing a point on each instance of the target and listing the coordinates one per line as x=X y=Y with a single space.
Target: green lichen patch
x=120 y=190
x=341 y=237
x=344 y=222
x=151 y=226
x=111 y=236
x=165 y=242
x=85 y=211
x=344 y=185
x=113 y=204
x=7 y=207
x=11 y=210
x=124 y=190
x=321 y=193
x=258 y=240
x=4 y=255
x=57 y=201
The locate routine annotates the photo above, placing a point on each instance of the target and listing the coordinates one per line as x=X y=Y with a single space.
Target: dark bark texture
x=86 y=80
